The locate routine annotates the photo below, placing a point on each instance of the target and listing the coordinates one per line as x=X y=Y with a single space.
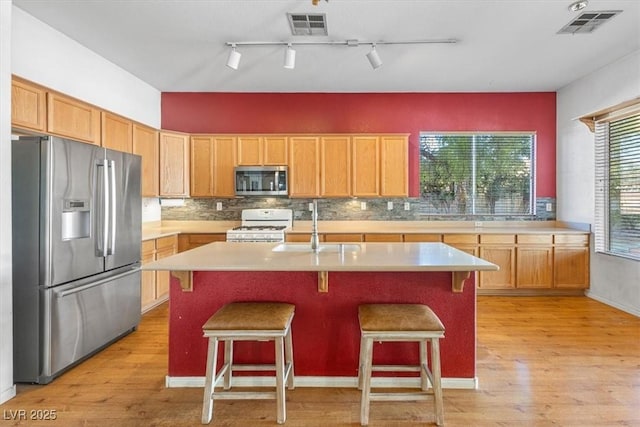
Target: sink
x=324 y=247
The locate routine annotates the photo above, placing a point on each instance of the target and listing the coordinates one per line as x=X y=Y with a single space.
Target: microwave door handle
x=112 y=195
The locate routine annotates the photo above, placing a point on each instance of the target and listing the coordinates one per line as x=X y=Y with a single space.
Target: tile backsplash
x=338 y=209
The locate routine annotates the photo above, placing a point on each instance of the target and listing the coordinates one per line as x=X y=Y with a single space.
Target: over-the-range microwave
x=261 y=181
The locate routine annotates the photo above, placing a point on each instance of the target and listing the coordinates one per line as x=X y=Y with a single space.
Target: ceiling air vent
x=308 y=24
x=587 y=22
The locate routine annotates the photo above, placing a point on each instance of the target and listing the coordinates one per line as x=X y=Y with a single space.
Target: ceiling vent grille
x=587 y=22
x=308 y=24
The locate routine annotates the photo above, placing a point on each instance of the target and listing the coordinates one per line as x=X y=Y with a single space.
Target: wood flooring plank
x=541 y=361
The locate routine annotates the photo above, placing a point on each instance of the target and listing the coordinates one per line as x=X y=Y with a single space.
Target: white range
x=262 y=225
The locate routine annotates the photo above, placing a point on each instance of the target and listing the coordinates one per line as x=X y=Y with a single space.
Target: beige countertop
x=158 y=229
x=225 y=256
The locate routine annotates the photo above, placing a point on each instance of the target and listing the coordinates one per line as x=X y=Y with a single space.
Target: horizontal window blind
x=477 y=174
x=618 y=186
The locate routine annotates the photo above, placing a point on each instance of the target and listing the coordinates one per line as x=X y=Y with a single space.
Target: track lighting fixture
x=374 y=58
x=290 y=54
x=290 y=58
x=234 y=57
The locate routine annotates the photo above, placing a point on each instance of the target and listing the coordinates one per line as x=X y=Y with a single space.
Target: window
x=617 y=169
x=477 y=174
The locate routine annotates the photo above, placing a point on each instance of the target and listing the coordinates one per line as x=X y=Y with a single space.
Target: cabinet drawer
x=571 y=239
x=460 y=238
x=202 y=239
x=535 y=239
x=497 y=238
x=148 y=247
x=383 y=237
x=297 y=238
x=423 y=237
x=343 y=237
x=163 y=243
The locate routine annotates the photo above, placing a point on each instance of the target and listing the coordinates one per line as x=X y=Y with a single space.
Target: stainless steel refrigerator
x=76 y=252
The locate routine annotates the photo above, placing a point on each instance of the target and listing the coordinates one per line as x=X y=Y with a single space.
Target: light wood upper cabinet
x=71 y=118
x=256 y=150
x=365 y=179
x=202 y=166
x=213 y=158
x=250 y=150
x=276 y=151
x=117 y=132
x=335 y=169
x=145 y=144
x=304 y=166
x=28 y=106
x=394 y=161
x=174 y=164
x=224 y=161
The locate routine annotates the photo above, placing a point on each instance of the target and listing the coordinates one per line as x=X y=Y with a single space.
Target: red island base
x=325 y=329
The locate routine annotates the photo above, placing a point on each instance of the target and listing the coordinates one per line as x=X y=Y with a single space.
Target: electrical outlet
x=218 y=206
x=310 y=207
x=363 y=206
x=389 y=206
x=407 y=206
x=478 y=223
x=548 y=207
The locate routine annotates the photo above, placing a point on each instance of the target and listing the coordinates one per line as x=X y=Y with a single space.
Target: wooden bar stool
x=249 y=321
x=400 y=323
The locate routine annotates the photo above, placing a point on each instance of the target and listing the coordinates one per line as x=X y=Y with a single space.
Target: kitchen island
x=326 y=288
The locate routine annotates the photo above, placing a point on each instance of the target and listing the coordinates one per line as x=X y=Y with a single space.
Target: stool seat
x=400 y=323
x=248 y=321
x=242 y=316
x=398 y=317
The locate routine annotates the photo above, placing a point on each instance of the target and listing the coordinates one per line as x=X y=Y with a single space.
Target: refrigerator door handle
x=62 y=294
x=102 y=210
x=112 y=195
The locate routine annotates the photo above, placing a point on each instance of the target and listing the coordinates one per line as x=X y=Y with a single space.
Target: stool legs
x=364 y=379
x=426 y=374
x=437 y=381
x=288 y=353
x=207 y=404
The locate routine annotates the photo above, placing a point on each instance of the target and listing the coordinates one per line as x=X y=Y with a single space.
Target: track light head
x=374 y=58
x=234 y=58
x=289 y=57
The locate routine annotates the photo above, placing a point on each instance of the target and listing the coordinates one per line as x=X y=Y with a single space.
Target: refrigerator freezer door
x=125 y=234
x=69 y=214
x=86 y=316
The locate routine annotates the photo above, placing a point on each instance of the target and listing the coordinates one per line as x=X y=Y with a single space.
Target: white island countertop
x=228 y=256
x=336 y=257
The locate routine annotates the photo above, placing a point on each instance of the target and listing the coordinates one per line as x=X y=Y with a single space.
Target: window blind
x=617 y=219
x=477 y=174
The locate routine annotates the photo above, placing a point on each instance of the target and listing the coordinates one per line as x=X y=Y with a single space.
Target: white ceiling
x=504 y=45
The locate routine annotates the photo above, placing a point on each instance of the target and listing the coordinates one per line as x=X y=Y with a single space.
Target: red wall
x=373 y=112
x=325 y=328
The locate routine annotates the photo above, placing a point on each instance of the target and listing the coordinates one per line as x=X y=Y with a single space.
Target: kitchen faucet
x=315 y=245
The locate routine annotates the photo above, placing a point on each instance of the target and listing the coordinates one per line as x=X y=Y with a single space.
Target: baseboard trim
x=626 y=309
x=8 y=394
x=345 y=382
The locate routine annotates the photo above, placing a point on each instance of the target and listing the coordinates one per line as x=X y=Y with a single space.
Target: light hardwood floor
x=542 y=361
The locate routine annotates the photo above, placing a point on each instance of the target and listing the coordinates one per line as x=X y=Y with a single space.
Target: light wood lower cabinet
x=571 y=261
x=500 y=250
x=465 y=242
x=155 y=284
x=421 y=237
x=534 y=259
